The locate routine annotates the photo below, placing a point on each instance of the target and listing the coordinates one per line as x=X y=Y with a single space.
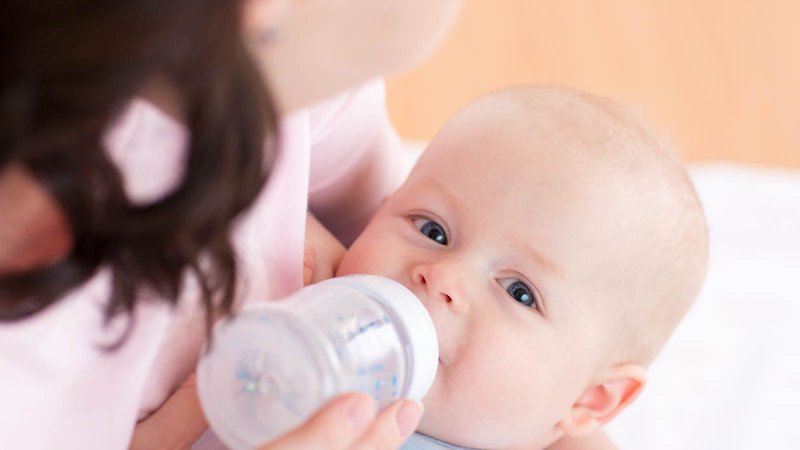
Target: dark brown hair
x=67 y=70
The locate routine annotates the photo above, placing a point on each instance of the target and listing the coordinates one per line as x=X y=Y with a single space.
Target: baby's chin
x=472 y=427
x=440 y=423
x=449 y=432
x=429 y=427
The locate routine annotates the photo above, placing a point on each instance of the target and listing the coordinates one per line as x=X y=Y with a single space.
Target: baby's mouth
x=435 y=324
x=442 y=355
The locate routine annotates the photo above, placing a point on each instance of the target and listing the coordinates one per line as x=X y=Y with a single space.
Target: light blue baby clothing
x=419 y=441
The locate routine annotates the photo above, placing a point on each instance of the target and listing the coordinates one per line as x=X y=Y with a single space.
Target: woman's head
x=68 y=67
x=312 y=49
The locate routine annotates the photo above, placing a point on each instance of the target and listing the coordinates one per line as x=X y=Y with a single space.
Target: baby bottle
x=275 y=363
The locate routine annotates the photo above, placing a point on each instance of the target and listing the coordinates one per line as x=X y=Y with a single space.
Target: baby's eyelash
x=520 y=292
x=430 y=229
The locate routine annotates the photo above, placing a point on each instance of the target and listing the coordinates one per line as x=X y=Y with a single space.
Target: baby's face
x=506 y=246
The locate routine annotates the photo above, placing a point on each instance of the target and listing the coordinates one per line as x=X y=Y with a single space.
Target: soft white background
x=730 y=376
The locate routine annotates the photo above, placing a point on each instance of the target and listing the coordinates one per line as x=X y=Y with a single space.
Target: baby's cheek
x=437 y=422
x=349 y=263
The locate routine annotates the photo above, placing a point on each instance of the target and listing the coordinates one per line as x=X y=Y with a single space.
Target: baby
x=556 y=245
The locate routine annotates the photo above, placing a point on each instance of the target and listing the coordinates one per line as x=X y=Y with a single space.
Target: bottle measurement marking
x=353 y=329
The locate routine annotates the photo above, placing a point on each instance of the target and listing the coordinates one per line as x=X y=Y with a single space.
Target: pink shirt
x=59 y=389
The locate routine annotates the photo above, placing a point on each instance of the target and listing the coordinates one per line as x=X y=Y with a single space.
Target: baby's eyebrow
x=529 y=251
x=428 y=181
x=541 y=260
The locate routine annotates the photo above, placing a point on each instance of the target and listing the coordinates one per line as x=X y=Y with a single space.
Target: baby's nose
x=439 y=284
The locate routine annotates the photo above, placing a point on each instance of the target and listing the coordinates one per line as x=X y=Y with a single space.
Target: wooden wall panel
x=719 y=79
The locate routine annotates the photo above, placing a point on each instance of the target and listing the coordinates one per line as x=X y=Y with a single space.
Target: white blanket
x=730 y=376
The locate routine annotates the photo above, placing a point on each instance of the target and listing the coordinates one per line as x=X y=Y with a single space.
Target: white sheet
x=730 y=376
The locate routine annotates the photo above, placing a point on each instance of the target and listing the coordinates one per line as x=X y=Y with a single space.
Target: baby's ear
x=611 y=391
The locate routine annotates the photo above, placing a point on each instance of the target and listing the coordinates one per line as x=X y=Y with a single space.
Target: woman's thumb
x=337 y=425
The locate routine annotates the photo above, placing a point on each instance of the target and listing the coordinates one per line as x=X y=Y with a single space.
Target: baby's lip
x=422 y=296
x=442 y=356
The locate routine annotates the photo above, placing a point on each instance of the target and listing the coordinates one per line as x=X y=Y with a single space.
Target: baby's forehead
x=540 y=142
x=565 y=153
x=568 y=118
x=556 y=136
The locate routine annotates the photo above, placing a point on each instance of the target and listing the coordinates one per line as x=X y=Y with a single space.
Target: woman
x=116 y=251
x=115 y=248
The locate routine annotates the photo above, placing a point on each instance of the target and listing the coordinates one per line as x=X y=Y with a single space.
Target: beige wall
x=720 y=79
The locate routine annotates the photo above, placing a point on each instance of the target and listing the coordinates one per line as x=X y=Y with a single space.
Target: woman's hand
x=323 y=252
x=176 y=425
x=349 y=422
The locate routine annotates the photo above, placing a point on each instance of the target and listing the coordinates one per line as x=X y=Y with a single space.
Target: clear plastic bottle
x=274 y=364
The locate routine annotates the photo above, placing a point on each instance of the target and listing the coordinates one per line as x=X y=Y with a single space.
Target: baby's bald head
x=555 y=244
x=653 y=223
x=666 y=237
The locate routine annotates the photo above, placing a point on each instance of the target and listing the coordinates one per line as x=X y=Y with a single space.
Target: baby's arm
x=598 y=440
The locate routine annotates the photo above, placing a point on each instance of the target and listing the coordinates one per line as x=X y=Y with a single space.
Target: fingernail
x=407 y=417
x=361 y=411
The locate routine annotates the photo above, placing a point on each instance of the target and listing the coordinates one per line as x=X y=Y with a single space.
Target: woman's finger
x=336 y=426
x=392 y=426
x=174 y=425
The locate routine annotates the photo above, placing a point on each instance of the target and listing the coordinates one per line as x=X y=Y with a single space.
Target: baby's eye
x=431 y=230
x=519 y=291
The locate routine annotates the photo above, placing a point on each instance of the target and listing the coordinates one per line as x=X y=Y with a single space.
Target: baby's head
x=556 y=244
